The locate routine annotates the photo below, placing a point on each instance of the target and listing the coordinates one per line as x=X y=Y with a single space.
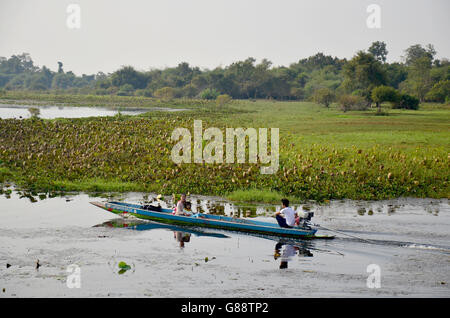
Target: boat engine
x=308 y=216
x=305 y=219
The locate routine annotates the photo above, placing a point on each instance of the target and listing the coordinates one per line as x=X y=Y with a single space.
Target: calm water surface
x=409 y=239
x=51 y=112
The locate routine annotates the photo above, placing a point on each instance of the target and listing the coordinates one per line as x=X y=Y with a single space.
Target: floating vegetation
x=127 y=153
x=123 y=267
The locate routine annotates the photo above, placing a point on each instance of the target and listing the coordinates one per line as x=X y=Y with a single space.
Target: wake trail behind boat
x=405 y=244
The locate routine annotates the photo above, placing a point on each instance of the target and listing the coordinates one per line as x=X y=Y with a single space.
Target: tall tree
x=419 y=80
x=363 y=72
x=60 y=67
x=416 y=51
x=383 y=94
x=128 y=75
x=378 y=49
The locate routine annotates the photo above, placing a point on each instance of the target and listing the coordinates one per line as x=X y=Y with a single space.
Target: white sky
x=207 y=33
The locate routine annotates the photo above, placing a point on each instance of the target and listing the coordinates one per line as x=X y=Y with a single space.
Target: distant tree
x=324 y=96
x=419 y=80
x=60 y=67
x=190 y=90
x=406 y=101
x=165 y=93
x=279 y=86
x=298 y=93
x=363 y=72
x=16 y=82
x=440 y=73
x=200 y=81
x=395 y=73
x=261 y=77
x=440 y=92
x=126 y=90
x=37 y=82
x=128 y=75
x=318 y=61
x=63 y=80
x=352 y=102
x=209 y=93
x=327 y=76
x=103 y=83
x=383 y=94
x=143 y=92
x=243 y=73
x=17 y=64
x=222 y=100
x=416 y=51
x=4 y=79
x=378 y=49
x=48 y=75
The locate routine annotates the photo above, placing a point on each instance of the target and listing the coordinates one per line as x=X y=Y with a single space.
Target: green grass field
x=324 y=153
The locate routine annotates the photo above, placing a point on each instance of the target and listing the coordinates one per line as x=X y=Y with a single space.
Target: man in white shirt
x=286 y=217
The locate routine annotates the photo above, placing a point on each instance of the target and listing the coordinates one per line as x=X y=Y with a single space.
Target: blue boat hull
x=207 y=220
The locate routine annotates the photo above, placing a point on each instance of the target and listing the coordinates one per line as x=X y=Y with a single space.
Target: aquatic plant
x=331 y=156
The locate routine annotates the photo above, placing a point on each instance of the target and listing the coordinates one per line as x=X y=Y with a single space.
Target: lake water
x=51 y=112
x=408 y=239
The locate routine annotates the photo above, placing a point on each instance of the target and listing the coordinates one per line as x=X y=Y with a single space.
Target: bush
x=383 y=94
x=101 y=91
x=209 y=93
x=406 y=101
x=190 y=90
x=165 y=93
x=324 y=96
x=440 y=92
x=143 y=92
x=223 y=99
x=352 y=102
x=126 y=90
x=298 y=93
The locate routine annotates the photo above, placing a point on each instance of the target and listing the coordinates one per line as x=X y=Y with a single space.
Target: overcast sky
x=208 y=33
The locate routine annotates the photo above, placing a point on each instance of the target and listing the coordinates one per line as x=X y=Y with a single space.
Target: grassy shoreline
x=324 y=154
x=125 y=102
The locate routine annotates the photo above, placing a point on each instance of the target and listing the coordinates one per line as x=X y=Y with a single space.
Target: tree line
x=356 y=83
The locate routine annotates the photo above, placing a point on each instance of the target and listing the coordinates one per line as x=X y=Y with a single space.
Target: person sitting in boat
x=181 y=206
x=286 y=217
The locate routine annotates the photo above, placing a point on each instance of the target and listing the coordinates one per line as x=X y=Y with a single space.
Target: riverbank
x=121 y=102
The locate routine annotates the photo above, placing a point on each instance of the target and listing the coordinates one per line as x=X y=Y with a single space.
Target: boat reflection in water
x=285 y=249
x=140 y=225
x=181 y=234
x=182 y=237
x=287 y=253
